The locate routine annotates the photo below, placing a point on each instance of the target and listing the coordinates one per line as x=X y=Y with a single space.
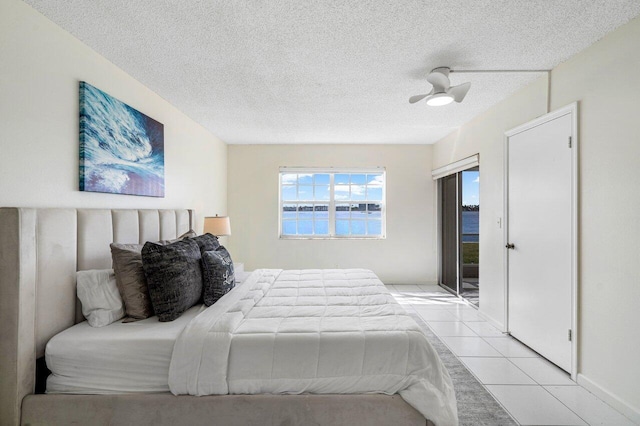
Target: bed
x=40 y=252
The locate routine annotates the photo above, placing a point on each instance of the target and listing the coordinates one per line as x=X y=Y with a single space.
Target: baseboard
x=607 y=396
x=421 y=282
x=413 y=282
x=497 y=324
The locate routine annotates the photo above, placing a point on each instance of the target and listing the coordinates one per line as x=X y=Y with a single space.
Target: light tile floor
x=531 y=389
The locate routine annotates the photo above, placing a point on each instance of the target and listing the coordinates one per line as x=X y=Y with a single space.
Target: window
x=331 y=203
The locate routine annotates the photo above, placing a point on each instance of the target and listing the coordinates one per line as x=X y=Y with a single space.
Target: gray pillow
x=218 y=274
x=130 y=279
x=189 y=234
x=131 y=282
x=174 y=277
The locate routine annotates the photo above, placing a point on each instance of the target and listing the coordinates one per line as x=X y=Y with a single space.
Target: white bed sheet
x=118 y=358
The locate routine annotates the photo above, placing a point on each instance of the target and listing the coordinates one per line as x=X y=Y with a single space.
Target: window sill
x=310 y=237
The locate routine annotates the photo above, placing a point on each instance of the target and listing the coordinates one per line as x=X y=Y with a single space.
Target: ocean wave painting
x=121 y=149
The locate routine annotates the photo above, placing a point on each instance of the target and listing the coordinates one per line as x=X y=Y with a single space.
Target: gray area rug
x=476 y=406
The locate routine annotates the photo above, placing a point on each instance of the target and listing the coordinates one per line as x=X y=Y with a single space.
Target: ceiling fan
x=442 y=93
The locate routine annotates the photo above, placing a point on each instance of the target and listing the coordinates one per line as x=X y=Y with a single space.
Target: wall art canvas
x=121 y=149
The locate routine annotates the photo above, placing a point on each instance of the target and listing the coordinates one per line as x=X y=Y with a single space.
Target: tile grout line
x=558 y=399
x=537 y=383
x=501 y=404
x=503 y=335
x=498 y=357
x=471 y=372
x=476 y=377
x=543 y=387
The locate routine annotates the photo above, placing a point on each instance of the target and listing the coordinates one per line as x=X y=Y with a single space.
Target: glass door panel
x=470 y=283
x=450 y=237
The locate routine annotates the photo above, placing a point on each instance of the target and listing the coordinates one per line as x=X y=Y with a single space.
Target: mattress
x=118 y=358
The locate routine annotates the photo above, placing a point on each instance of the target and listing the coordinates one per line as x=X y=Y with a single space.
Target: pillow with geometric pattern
x=174 y=277
x=206 y=242
x=217 y=273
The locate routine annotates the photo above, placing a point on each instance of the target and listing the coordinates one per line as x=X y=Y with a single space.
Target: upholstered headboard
x=40 y=252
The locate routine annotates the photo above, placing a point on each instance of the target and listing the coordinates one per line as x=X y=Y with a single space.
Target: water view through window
x=470 y=234
x=330 y=204
x=470 y=206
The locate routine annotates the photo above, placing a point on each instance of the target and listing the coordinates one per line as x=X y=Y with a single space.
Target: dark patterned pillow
x=217 y=270
x=206 y=242
x=174 y=277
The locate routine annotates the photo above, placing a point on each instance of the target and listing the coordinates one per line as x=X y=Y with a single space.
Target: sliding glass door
x=460 y=233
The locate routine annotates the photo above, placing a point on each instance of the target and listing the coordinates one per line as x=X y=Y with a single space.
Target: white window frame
x=332 y=202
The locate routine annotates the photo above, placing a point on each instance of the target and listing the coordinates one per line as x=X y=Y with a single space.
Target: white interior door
x=540 y=228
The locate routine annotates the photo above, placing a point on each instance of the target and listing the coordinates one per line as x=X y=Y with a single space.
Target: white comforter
x=314 y=331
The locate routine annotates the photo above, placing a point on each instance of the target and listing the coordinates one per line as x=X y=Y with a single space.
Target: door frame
x=571 y=109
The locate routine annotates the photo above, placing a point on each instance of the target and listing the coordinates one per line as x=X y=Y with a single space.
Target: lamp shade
x=217 y=225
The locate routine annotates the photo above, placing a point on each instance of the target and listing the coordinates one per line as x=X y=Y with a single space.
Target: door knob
x=510 y=246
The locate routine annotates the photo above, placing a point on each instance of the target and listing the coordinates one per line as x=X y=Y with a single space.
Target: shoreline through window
x=332 y=203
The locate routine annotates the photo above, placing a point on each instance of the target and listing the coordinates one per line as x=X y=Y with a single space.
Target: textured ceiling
x=295 y=71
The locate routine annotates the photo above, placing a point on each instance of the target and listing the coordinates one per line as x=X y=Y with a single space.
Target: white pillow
x=101 y=301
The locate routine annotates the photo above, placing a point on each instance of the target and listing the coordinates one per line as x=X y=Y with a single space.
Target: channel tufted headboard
x=40 y=252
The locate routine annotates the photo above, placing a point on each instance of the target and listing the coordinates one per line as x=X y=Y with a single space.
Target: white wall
x=407 y=255
x=605 y=79
x=40 y=68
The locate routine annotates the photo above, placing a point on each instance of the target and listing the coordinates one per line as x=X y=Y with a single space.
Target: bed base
x=227 y=410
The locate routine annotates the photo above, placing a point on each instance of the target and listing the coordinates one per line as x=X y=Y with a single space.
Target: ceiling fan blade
x=417 y=98
x=459 y=92
x=440 y=79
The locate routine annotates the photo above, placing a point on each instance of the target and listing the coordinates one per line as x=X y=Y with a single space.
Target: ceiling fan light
x=439 y=99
